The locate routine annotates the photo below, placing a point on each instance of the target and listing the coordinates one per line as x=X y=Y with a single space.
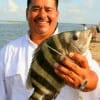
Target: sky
x=71 y=11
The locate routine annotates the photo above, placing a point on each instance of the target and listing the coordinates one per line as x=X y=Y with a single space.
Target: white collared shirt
x=15 y=60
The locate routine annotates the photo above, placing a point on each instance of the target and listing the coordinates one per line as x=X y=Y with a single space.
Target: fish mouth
x=75 y=48
x=79 y=46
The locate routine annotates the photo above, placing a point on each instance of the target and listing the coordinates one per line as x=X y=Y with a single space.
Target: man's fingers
x=79 y=59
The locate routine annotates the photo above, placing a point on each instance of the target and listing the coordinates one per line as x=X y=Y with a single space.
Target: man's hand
x=75 y=70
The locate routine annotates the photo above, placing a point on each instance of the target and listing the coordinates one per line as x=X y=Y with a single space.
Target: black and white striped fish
x=42 y=77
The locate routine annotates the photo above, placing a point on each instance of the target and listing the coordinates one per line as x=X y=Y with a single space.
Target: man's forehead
x=43 y=2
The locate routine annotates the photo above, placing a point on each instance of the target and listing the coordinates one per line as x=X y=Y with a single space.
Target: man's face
x=42 y=16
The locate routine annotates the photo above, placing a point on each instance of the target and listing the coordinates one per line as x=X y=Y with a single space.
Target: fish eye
x=75 y=37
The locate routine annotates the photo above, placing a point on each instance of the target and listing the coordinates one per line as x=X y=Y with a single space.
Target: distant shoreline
x=58 y=22
x=10 y=21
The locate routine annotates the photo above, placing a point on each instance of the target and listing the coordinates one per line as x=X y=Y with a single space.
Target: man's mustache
x=42 y=19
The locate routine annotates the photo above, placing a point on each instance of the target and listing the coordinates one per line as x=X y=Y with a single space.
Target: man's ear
x=58 y=13
x=26 y=13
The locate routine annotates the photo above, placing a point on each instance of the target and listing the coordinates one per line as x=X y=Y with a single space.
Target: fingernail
x=56 y=64
x=62 y=58
x=56 y=71
x=71 y=54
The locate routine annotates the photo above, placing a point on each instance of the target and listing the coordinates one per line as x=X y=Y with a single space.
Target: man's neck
x=38 y=38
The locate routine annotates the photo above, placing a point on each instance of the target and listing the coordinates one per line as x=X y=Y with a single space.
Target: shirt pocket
x=15 y=88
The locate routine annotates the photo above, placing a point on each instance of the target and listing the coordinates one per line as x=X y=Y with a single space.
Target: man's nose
x=42 y=13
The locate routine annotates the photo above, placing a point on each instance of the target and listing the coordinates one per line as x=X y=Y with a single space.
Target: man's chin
x=43 y=31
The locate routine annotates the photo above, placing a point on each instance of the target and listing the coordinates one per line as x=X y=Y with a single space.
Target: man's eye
x=35 y=9
x=49 y=10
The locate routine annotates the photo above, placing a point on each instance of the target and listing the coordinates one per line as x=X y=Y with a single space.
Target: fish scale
x=46 y=83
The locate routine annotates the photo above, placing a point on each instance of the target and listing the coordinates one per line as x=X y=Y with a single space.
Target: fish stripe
x=43 y=62
x=51 y=45
x=57 y=42
x=42 y=82
x=46 y=51
x=50 y=79
x=36 y=96
x=65 y=42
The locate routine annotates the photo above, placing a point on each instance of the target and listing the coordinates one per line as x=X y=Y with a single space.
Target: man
x=15 y=59
x=84 y=27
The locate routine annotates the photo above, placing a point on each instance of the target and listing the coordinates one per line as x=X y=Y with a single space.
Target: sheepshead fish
x=41 y=76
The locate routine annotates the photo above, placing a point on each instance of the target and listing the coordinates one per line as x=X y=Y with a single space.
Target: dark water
x=13 y=30
x=10 y=31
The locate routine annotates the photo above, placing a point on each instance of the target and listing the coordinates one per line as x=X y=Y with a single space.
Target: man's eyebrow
x=37 y=6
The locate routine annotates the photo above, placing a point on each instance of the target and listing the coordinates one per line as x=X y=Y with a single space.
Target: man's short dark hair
x=29 y=1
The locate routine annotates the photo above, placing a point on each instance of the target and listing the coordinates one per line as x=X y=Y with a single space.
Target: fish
x=41 y=76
